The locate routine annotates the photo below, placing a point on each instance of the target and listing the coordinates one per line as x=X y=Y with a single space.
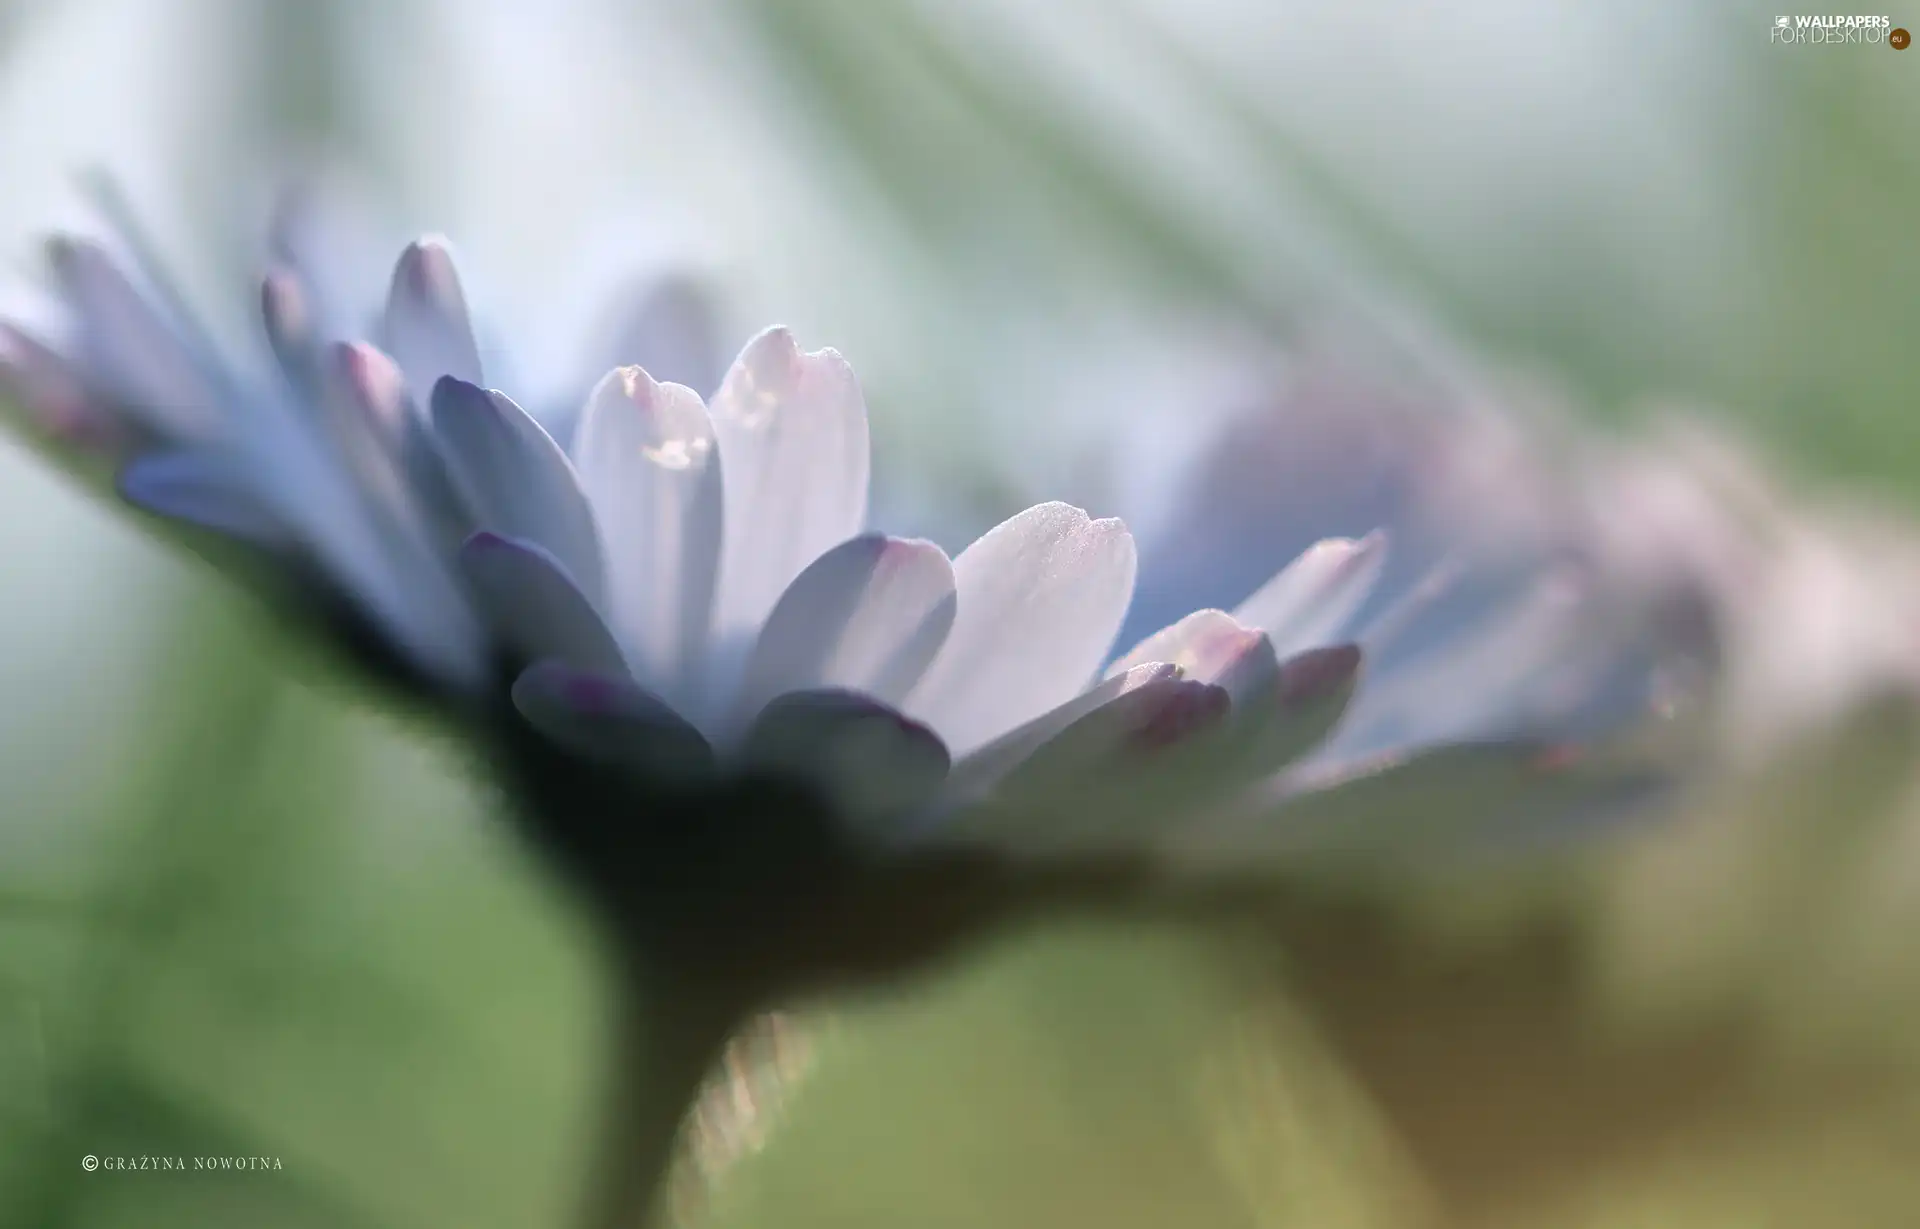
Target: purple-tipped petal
x=1167 y=755
x=869 y=615
x=1318 y=674
x=534 y=606
x=980 y=769
x=287 y=314
x=1211 y=646
x=514 y=479
x=1305 y=699
x=427 y=329
x=1182 y=714
x=1281 y=709
x=647 y=462
x=1041 y=597
x=609 y=719
x=47 y=392
x=1085 y=788
x=873 y=763
x=792 y=432
x=126 y=346
x=366 y=412
x=368 y=388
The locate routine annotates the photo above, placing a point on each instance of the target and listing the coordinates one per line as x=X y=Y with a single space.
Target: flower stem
x=667 y=1035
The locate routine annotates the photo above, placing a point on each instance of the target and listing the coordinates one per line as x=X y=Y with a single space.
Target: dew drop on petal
x=678 y=454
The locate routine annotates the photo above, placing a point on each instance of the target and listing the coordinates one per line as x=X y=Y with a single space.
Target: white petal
x=646 y=459
x=875 y=765
x=608 y=719
x=792 y=432
x=140 y=359
x=427 y=329
x=1313 y=598
x=869 y=616
x=1489 y=678
x=534 y=607
x=1041 y=597
x=515 y=480
x=1389 y=627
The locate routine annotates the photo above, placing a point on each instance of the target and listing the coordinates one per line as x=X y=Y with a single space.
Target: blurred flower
x=1726 y=670
x=1639 y=613
x=1510 y=640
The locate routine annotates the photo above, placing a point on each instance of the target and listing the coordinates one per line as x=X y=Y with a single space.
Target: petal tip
x=772 y=365
x=483 y=542
x=545 y=683
x=1318 y=674
x=427 y=250
x=63 y=251
x=362 y=360
x=426 y=271
x=284 y=305
x=1369 y=549
x=635 y=384
x=452 y=395
x=775 y=335
x=1069 y=518
x=591 y=693
x=375 y=380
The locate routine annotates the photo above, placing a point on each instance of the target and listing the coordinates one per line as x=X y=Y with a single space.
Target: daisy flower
x=689 y=593
x=770 y=747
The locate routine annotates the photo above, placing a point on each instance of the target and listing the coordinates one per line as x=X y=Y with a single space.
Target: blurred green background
x=240 y=915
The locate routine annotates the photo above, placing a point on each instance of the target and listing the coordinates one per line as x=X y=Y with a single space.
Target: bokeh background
x=1060 y=242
